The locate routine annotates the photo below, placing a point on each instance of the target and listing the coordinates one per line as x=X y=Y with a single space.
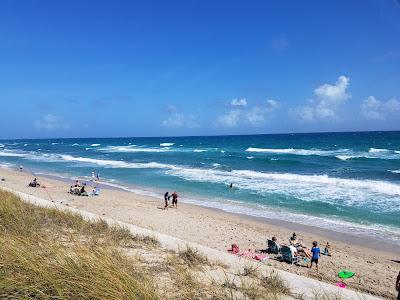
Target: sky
x=166 y=68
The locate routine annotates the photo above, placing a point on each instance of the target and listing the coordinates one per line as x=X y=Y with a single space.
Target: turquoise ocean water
x=346 y=182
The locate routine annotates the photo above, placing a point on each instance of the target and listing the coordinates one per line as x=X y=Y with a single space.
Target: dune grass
x=46 y=253
x=49 y=254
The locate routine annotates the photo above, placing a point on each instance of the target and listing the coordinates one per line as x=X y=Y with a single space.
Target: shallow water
x=347 y=182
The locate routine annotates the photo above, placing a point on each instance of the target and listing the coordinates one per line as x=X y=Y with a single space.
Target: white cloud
x=328 y=99
x=52 y=122
x=374 y=109
x=176 y=119
x=239 y=102
x=230 y=119
x=254 y=116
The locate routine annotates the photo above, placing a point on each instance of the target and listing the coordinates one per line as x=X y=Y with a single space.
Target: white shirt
x=293 y=250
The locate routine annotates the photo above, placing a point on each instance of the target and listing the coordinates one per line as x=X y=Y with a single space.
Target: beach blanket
x=345 y=274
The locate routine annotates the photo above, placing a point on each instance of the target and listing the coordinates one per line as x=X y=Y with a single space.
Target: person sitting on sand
x=95 y=191
x=275 y=240
x=34 y=183
x=315 y=255
x=300 y=248
x=71 y=189
x=166 y=198
x=327 y=250
x=293 y=250
x=175 y=199
x=82 y=191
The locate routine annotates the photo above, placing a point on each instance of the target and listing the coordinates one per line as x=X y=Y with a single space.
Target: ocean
x=345 y=182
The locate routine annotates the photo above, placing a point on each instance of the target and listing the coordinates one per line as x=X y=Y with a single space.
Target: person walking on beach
x=175 y=199
x=166 y=198
x=315 y=255
x=398 y=286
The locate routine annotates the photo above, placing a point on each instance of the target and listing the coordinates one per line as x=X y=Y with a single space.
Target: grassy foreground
x=51 y=254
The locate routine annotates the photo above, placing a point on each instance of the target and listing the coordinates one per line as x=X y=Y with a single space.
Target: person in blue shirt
x=315 y=255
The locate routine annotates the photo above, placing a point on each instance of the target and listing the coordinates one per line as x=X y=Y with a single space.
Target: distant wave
x=296 y=151
x=199 y=150
x=75 y=144
x=250 y=157
x=1 y=146
x=54 y=143
x=374 y=194
x=11 y=154
x=394 y=171
x=377 y=150
x=345 y=157
x=342 y=154
x=95 y=145
x=133 y=148
x=166 y=144
x=116 y=163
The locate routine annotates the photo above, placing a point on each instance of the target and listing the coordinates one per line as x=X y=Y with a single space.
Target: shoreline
x=362 y=241
x=218 y=230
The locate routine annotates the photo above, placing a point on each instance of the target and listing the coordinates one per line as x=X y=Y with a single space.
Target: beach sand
x=376 y=270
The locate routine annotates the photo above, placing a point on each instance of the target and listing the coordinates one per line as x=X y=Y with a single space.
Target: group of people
x=34 y=183
x=79 y=189
x=297 y=249
x=174 y=197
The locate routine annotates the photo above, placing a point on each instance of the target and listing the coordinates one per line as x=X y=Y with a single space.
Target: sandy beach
x=376 y=270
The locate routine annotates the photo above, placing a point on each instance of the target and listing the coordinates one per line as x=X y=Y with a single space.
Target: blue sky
x=159 y=68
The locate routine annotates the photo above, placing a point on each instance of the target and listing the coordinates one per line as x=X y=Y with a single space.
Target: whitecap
x=250 y=157
x=394 y=171
x=199 y=150
x=166 y=144
x=95 y=145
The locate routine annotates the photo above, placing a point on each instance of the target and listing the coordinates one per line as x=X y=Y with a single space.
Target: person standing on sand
x=175 y=199
x=315 y=255
x=166 y=198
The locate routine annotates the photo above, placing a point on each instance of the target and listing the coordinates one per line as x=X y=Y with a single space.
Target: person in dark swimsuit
x=166 y=198
x=175 y=199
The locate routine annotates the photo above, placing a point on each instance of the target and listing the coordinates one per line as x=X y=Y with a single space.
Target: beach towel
x=234 y=249
x=345 y=274
x=341 y=285
x=260 y=257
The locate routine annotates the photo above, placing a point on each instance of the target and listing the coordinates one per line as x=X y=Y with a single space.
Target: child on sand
x=315 y=254
x=327 y=250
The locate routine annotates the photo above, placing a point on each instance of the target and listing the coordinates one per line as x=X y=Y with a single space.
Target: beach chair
x=272 y=247
x=287 y=256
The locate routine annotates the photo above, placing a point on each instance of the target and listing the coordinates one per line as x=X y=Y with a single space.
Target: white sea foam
x=25 y=145
x=199 y=150
x=75 y=144
x=116 y=163
x=133 y=148
x=11 y=154
x=95 y=145
x=345 y=157
x=374 y=194
x=394 y=171
x=250 y=157
x=1 y=146
x=377 y=150
x=296 y=151
x=54 y=143
x=222 y=151
x=342 y=154
x=167 y=144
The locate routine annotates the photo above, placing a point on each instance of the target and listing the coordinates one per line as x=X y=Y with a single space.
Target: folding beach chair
x=272 y=247
x=287 y=255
